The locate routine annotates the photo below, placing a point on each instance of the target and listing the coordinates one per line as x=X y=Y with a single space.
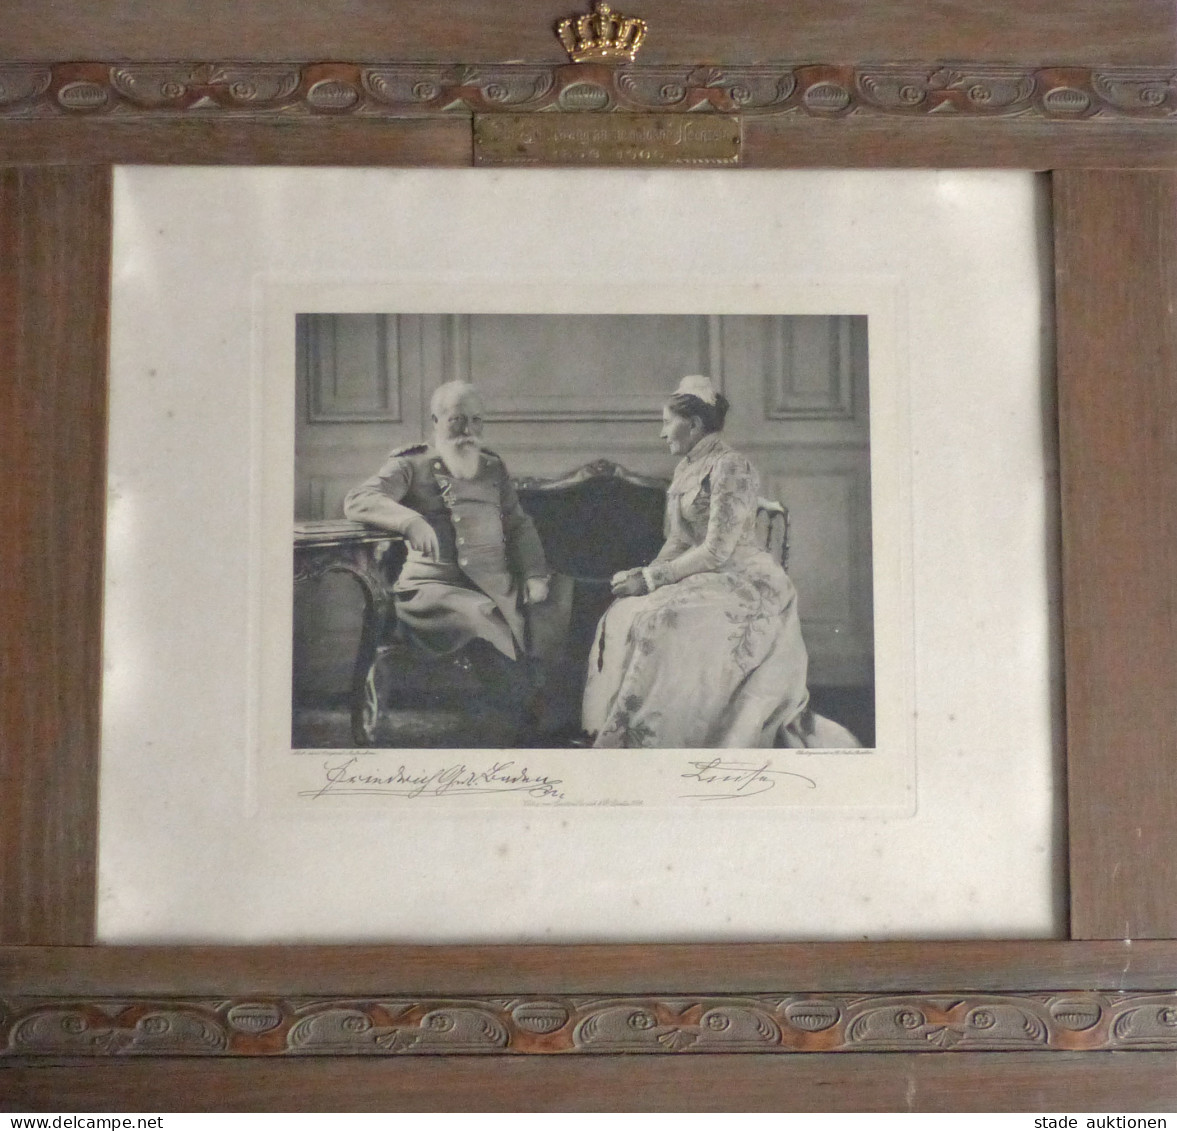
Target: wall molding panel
x=353 y=367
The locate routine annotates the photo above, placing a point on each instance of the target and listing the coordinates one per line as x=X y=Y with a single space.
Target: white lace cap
x=696 y=385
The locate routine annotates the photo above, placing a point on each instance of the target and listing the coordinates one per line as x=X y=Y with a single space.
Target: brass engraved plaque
x=606 y=139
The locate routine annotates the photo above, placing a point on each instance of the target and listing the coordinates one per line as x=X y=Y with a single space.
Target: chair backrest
x=597 y=519
x=772 y=529
x=601 y=518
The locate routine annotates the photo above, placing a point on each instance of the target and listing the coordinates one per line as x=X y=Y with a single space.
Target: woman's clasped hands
x=628 y=583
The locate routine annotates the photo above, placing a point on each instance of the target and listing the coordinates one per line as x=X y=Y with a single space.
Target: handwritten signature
x=733 y=780
x=343 y=779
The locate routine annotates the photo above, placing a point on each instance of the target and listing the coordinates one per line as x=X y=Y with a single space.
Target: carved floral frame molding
x=204 y=90
x=778 y=1023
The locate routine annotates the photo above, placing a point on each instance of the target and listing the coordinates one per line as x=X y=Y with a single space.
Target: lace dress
x=713 y=657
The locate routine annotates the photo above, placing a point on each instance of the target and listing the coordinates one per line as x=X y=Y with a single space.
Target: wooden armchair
x=594 y=521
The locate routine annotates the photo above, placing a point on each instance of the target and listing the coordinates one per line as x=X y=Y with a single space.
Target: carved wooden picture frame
x=1085 y=1023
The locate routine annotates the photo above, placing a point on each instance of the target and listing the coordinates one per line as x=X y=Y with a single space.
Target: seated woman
x=703 y=647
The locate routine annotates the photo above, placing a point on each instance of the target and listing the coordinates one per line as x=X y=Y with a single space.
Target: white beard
x=461 y=459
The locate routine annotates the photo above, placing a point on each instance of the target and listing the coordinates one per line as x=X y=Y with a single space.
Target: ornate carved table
x=340 y=546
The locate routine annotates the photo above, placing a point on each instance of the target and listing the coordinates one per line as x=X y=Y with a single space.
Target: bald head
x=452 y=395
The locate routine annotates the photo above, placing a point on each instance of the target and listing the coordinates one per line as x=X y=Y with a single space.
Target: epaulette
x=411 y=450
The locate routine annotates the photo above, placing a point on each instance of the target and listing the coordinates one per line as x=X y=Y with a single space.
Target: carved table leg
x=365 y=695
x=359 y=557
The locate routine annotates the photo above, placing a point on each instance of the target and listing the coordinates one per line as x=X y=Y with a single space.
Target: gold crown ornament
x=601 y=36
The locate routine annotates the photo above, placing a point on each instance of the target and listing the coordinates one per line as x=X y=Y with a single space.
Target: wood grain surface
x=634 y=969
x=1116 y=264
x=401 y=142
x=448 y=141
x=696 y=31
x=1040 y=1082
x=55 y=257
x=1116 y=249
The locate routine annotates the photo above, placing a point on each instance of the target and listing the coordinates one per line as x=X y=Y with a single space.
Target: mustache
x=462 y=447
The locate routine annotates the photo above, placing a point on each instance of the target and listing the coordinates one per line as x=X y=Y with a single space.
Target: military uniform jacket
x=486 y=540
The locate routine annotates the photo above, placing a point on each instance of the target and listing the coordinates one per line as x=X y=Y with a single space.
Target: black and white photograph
x=560 y=531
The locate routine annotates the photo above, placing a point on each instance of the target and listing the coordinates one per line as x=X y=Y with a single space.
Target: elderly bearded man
x=471 y=547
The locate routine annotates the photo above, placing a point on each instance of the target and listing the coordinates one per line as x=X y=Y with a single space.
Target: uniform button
x=461 y=561
x=461 y=541
x=457 y=518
